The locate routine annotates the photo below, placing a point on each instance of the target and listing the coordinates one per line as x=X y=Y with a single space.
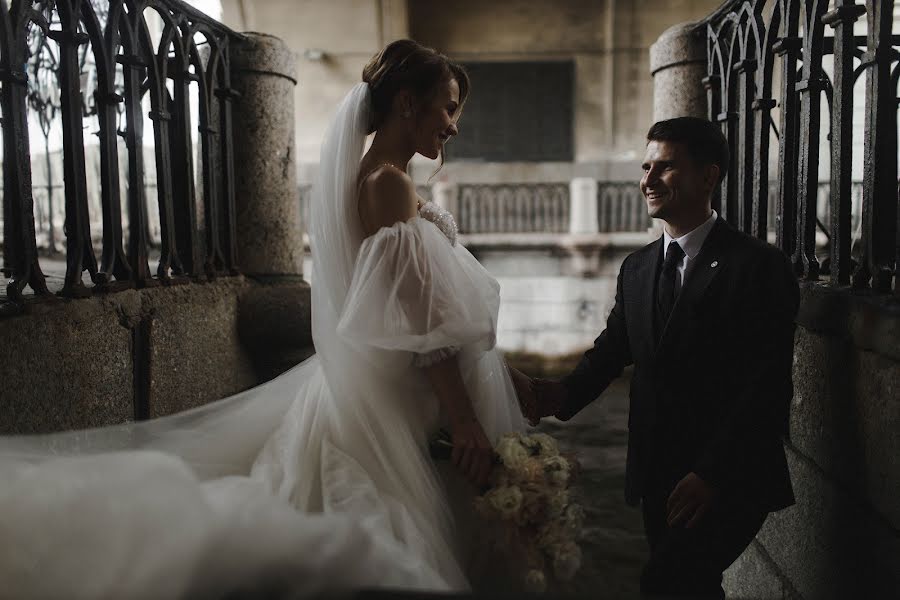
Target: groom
x=706 y=316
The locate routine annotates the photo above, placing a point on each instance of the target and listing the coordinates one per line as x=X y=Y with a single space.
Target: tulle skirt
x=287 y=488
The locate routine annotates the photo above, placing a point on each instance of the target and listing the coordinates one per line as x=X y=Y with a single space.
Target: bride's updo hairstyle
x=408 y=65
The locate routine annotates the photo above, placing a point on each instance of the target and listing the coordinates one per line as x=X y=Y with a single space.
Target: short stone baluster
x=583 y=205
x=444 y=195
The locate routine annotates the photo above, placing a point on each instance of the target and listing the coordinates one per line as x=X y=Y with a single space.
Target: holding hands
x=473 y=453
x=538 y=398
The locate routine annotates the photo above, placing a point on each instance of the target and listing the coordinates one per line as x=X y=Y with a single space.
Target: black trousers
x=690 y=562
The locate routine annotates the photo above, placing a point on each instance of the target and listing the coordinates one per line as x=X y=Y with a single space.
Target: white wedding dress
x=315 y=483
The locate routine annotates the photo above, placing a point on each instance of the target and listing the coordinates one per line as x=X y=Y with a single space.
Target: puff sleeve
x=412 y=291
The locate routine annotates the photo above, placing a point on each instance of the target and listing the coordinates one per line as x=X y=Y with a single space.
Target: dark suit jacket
x=712 y=395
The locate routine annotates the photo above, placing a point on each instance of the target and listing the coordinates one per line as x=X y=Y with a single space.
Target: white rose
x=535 y=582
x=511 y=452
x=506 y=501
x=557 y=470
x=566 y=561
x=547 y=444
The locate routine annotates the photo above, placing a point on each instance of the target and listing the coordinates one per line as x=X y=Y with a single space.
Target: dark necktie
x=666 y=286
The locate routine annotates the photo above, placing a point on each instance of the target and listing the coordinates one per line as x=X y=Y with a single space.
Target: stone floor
x=614 y=546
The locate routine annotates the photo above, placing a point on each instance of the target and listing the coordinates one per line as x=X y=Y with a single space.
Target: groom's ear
x=710 y=177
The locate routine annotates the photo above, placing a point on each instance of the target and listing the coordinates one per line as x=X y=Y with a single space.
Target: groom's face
x=673 y=183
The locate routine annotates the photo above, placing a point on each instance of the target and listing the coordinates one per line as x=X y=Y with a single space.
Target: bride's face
x=436 y=122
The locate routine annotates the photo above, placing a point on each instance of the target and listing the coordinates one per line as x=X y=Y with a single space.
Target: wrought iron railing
x=766 y=73
x=106 y=66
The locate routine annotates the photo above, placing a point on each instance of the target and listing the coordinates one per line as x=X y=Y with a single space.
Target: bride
x=319 y=481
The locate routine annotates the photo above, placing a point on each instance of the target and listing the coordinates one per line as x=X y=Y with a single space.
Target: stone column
x=269 y=238
x=583 y=205
x=678 y=66
x=274 y=313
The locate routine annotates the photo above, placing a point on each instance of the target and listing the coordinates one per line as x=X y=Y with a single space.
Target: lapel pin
x=714 y=264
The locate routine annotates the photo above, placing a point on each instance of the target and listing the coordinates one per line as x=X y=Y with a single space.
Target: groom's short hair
x=702 y=139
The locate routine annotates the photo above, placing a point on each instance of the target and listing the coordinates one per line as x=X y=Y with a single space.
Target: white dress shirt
x=691 y=243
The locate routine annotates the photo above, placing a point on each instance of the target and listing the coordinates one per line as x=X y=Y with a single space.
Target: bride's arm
x=389 y=197
x=472 y=451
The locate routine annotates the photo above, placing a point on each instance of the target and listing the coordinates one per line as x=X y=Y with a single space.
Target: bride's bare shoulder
x=387 y=196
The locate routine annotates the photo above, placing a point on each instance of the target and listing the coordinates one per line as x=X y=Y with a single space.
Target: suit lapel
x=645 y=289
x=708 y=263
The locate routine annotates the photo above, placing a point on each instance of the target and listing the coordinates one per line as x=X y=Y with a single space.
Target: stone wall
x=73 y=364
x=608 y=41
x=842 y=539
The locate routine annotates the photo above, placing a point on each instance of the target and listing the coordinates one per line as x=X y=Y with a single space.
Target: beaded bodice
x=441 y=218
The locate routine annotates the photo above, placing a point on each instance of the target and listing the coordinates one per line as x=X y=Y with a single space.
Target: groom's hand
x=526 y=394
x=689 y=501
x=538 y=398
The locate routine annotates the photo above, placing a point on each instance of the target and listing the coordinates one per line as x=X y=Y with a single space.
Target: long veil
x=335 y=233
x=224 y=437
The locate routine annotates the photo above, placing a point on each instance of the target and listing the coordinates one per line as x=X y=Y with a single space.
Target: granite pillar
x=269 y=238
x=273 y=318
x=678 y=66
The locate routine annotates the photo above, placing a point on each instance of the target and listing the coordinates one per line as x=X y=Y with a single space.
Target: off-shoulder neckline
x=362 y=180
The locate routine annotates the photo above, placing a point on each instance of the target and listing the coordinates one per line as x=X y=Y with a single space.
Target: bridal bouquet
x=529 y=501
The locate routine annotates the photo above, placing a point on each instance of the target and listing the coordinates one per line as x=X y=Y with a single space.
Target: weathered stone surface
x=67 y=365
x=274 y=322
x=846 y=414
x=269 y=236
x=195 y=353
x=684 y=42
x=872 y=322
x=678 y=66
x=831 y=545
x=71 y=364
x=265 y=53
x=841 y=540
x=754 y=576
